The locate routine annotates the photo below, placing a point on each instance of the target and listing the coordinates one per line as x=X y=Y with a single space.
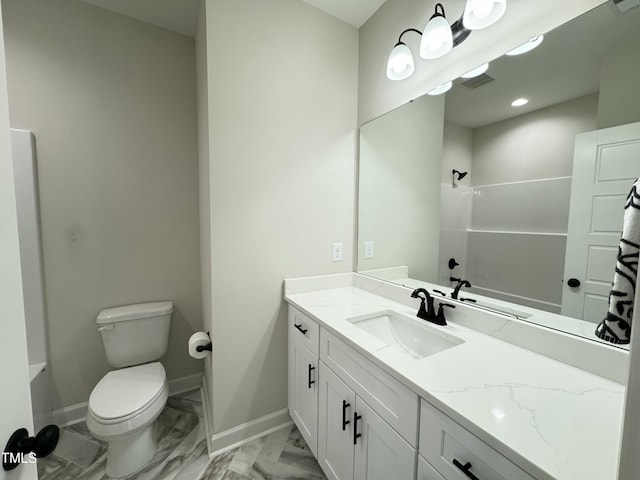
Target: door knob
x=573 y=282
x=21 y=444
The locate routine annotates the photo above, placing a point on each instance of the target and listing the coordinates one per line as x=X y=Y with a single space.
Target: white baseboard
x=185 y=384
x=236 y=436
x=73 y=414
x=70 y=415
x=208 y=420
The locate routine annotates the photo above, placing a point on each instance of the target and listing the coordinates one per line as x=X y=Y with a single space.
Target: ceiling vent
x=624 y=5
x=475 y=82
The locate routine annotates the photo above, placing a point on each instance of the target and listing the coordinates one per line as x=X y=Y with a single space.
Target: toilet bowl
x=122 y=410
x=125 y=403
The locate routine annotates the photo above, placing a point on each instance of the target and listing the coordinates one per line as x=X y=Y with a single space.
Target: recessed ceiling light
x=526 y=47
x=519 y=102
x=445 y=87
x=476 y=71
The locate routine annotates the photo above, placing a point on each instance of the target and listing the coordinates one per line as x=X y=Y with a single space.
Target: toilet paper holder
x=202 y=348
x=207 y=347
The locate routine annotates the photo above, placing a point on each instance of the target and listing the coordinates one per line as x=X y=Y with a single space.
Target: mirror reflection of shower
x=461 y=175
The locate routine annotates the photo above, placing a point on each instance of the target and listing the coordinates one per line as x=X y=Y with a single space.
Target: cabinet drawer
x=444 y=443
x=389 y=398
x=426 y=471
x=304 y=329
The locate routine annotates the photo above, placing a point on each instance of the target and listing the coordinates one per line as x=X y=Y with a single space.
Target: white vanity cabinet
x=303 y=376
x=457 y=454
x=355 y=443
x=361 y=423
x=367 y=420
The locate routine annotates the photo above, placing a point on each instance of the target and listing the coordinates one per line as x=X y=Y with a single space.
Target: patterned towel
x=616 y=327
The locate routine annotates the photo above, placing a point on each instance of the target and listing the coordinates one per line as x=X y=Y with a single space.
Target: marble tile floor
x=181 y=452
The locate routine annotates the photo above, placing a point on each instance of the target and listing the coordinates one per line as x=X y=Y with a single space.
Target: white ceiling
x=181 y=15
x=355 y=12
x=176 y=15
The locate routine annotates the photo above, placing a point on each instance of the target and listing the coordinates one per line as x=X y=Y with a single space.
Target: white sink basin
x=413 y=337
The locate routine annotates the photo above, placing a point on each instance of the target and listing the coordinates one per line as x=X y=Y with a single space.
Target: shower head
x=461 y=175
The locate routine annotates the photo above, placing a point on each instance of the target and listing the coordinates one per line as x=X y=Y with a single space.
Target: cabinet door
x=335 y=421
x=380 y=452
x=426 y=471
x=303 y=391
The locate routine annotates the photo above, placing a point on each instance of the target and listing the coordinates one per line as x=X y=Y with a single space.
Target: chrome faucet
x=461 y=283
x=427 y=310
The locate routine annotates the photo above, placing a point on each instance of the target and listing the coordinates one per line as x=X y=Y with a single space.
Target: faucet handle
x=440 y=320
x=440 y=292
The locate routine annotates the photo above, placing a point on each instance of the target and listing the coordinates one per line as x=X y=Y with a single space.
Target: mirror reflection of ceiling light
x=483 y=13
x=440 y=89
x=476 y=71
x=526 y=47
x=519 y=102
x=437 y=37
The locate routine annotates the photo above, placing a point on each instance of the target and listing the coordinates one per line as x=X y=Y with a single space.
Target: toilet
x=124 y=405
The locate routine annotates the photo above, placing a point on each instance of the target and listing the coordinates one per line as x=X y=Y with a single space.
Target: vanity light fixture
x=437 y=38
x=401 y=65
x=480 y=14
x=476 y=71
x=440 y=89
x=519 y=102
x=526 y=47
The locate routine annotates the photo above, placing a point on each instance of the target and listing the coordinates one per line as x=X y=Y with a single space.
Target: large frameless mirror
x=515 y=180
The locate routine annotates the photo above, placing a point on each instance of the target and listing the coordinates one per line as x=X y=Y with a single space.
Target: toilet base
x=131 y=454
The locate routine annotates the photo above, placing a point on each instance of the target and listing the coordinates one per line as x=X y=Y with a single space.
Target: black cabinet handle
x=345 y=422
x=356 y=435
x=311 y=369
x=302 y=330
x=466 y=469
x=573 y=282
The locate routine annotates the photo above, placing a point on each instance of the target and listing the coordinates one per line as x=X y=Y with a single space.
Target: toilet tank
x=135 y=334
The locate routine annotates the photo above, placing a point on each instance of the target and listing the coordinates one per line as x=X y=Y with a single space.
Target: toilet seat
x=123 y=394
x=127 y=400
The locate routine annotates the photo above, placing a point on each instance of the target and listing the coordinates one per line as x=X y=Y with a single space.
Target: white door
x=303 y=391
x=335 y=426
x=380 y=452
x=15 y=398
x=606 y=163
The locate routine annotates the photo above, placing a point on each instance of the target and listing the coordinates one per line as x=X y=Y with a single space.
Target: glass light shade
x=437 y=38
x=519 y=102
x=476 y=71
x=440 y=89
x=526 y=47
x=482 y=13
x=400 y=65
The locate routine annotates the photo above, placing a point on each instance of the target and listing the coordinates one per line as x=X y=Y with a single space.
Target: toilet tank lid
x=132 y=312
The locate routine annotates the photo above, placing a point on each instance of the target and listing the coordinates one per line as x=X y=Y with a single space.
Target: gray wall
x=282 y=105
x=517 y=238
x=113 y=106
x=619 y=80
x=399 y=189
x=532 y=146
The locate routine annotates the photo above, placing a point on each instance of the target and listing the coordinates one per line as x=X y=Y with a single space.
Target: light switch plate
x=337 y=252
x=368 y=250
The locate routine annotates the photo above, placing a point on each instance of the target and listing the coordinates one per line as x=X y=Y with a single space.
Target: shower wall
x=514 y=211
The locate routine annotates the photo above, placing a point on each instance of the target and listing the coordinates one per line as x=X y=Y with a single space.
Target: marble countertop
x=555 y=421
